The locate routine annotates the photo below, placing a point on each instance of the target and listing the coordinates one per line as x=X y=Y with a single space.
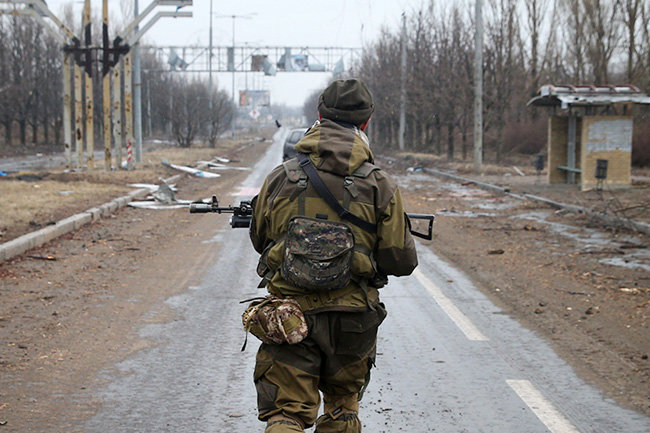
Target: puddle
x=465 y=214
x=630 y=261
x=462 y=191
x=416 y=177
x=495 y=205
x=588 y=238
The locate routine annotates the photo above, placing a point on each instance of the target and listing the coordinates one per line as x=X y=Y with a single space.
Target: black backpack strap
x=324 y=192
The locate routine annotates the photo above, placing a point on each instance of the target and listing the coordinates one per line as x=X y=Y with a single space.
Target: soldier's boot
x=283 y=424
x=340 y=415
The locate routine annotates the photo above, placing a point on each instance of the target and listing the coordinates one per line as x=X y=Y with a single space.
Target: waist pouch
x=317 y=254
x=275 y=321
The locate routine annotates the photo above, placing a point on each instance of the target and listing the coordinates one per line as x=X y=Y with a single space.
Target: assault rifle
x=242 y=215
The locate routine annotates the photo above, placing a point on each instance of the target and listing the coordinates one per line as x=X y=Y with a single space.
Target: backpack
x=318 y=253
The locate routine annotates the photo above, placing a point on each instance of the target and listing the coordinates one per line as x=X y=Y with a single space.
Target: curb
x=489 y=187
x=15 y=247
x=606 y=220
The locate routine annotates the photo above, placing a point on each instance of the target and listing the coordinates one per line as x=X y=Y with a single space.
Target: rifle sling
x=324 y=192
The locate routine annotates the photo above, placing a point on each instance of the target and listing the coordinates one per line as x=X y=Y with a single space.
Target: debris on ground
x=220 y=166
x=190 y=170
x=162 y=197
x=48 y=258
x=28 y=177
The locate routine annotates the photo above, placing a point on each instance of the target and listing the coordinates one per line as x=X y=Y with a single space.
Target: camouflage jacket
x=345 y=163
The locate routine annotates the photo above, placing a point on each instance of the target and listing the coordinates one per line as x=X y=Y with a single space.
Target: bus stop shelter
x=590 y=133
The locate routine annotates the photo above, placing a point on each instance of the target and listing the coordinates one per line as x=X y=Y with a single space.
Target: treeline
x=31 y=93
x=30 y=83
x=175 y=105
x=526 y=44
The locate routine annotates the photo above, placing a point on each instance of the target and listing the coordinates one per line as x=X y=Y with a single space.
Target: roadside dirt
x=32 y=200
x=63 y=322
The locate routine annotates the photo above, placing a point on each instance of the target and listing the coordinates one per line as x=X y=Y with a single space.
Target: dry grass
x=56 y=194
x=23 y=202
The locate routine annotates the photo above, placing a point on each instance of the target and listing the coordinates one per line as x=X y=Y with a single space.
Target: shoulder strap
x=292 y=170
x=364 y=170
x=324 y=192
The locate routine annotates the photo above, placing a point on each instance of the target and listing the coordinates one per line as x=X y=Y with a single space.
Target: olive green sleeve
x=396 y=253
x=259 y=221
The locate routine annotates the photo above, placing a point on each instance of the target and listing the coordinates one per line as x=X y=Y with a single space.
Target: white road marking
x=541 y=407
x=465 y=325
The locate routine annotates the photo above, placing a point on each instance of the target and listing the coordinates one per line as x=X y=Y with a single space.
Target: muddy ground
x=584 y=288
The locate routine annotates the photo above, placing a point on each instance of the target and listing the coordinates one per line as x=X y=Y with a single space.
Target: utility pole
x=137 y=94
x=90 y=130
x=234 y=118
x=106 y=99
x=78 y=108
x=478 y=88
x=210 y=74
x=234 y=66
x=402 y=92
x=128 y=108
x=117 y=111
x=67 y=104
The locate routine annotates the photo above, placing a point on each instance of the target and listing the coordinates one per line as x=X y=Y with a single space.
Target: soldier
x=293 y=225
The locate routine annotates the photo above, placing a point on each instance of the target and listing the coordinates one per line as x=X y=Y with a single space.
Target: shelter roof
x=567 y=96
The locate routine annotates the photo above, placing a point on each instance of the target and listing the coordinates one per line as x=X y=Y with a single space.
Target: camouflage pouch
x=317 y=254
x=275 y=321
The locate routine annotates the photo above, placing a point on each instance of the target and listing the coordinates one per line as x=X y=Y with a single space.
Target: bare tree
x=575 y=27
x=503 y=68
x=310 y=106
x=537 y=13
x=603 y=35
x=188 y=112
x=221 y=115
x=632 y=18
x=644 y=47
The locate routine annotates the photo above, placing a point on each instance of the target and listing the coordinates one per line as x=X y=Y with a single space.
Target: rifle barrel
x=200 y=208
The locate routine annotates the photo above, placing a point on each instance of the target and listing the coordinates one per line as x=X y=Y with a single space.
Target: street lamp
x=233 y=17
x=132 y=35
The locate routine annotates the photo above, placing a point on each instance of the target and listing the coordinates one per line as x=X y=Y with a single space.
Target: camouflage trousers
x=334 y=359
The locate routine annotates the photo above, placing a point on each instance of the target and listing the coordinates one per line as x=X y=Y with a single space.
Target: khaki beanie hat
x=346 y=101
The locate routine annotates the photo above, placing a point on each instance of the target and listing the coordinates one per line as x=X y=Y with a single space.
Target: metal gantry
x=250 y=58
x=77 y=56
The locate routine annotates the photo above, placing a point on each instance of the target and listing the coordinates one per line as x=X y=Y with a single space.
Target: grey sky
x=334 y=23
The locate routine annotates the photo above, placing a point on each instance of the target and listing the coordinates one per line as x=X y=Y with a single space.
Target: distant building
x=590 y=133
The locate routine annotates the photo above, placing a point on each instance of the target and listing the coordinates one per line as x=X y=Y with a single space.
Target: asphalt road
x=448 y=360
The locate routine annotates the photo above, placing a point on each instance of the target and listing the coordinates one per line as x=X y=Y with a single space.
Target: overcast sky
x=332 y=23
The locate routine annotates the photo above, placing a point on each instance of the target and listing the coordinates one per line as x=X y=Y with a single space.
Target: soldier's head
x=347 y=101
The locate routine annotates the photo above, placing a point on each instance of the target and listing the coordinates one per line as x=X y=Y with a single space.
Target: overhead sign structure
x=269 y=60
